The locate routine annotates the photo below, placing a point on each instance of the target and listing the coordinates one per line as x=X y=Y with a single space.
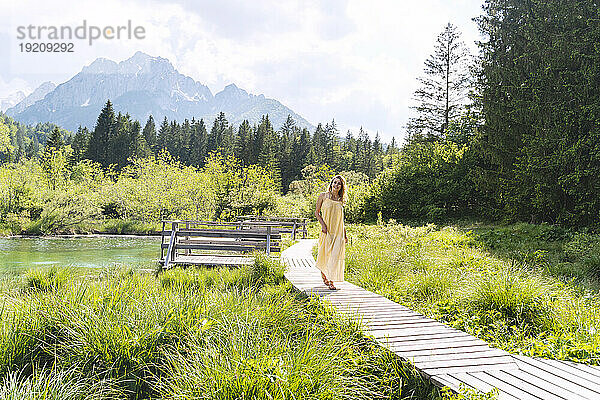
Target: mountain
x=36 y=95
x=11 y=100
x=144 y=85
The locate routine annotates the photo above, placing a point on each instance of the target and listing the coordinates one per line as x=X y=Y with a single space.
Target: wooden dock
x=447 y=356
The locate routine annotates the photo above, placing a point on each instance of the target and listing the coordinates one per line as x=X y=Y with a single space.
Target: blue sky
x=354 y=61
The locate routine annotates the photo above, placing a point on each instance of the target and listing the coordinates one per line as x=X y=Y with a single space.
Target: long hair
x=343 y=192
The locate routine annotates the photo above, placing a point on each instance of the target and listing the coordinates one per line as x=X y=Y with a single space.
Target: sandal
x=330 y=285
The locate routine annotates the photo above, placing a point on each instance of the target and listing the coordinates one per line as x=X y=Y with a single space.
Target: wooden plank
x=465 y=362
x=505 y=386
x=399 y=321
x=382 y=312
x=211 y=260
x=527 y=386
x=399 y=332
x=566 y=373
x=383 y=320
x=225 y=233
x=425 y=336
x=548 y=386
x=430 y=344
x=443 y=351
x=427 y=327
x=474 y=368
x=223 y=247
x=366 y=303
x=491 y=352
x=388 y=314
x=589 y=370
x=560 y=379
x=356 y=298
x=244 y=241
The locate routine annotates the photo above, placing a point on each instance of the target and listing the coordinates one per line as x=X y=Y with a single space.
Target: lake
x=18 y=254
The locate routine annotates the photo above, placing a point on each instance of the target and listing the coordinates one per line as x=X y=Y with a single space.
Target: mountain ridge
x=144 y=85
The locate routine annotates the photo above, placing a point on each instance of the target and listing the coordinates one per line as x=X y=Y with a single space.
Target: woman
x=332 y=239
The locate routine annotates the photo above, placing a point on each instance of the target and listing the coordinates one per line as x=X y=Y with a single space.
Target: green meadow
x=188 y=334
x=528 y=289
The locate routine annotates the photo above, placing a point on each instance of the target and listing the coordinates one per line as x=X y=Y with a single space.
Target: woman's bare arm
x=318 y=213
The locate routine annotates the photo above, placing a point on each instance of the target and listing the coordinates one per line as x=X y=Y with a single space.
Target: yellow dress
x=332 y=246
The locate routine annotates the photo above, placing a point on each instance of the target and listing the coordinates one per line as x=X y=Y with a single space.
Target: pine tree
x=268 y=156
x=55 y=141
x=149 y=133
x=287 y=134
x=198 y=138
x=217 y=132
x=120 y=143
x=100 y=138
x=79 y=145
x=443 y=92
x=183 y=142
x=243 y=142
x=377 y=155
x=139 y=146
x=164 y=133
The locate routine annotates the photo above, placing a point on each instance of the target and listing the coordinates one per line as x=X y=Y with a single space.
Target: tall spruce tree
x=287 y=133
x=149 y=133
x=243 y=143
x=99 y=140
x=164 y=133
x=268 y=155
x=55 y=141
x=444 y=88
x=218 y=132
x=79 y=145
x=540 y=99
x=198 y=138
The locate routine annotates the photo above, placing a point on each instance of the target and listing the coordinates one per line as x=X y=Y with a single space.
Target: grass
x=188 y=334
x=524 y=305
x=565 y=253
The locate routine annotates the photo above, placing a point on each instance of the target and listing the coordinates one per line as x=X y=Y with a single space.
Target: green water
x=20 y=254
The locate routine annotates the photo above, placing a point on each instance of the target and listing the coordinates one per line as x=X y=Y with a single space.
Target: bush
x=429 y=181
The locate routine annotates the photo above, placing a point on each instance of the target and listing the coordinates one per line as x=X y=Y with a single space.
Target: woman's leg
x=327 y=282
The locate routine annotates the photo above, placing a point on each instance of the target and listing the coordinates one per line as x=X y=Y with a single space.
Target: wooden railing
x=224 y=237
x=292 y=225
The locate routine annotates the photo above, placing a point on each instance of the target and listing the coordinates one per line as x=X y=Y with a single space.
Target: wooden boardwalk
x=447 y=356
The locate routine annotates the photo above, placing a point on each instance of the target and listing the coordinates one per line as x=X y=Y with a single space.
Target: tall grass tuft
x=56 y=385
x=519 y=297
x=46 y=279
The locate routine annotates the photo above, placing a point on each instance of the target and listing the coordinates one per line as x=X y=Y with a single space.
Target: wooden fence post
x=172 y=244
x=162 y=239
x=269 y=240
x=187 y=228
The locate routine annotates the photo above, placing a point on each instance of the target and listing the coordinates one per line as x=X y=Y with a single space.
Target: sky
x=355 y=61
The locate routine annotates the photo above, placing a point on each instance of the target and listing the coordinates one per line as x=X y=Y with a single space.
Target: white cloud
x=13 y=86
x=354 y=61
